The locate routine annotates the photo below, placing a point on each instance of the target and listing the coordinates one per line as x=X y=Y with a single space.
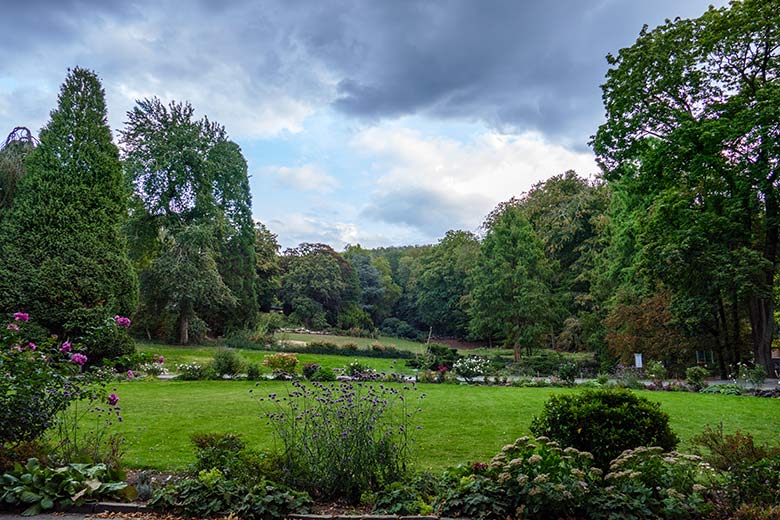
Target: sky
x=372 y=122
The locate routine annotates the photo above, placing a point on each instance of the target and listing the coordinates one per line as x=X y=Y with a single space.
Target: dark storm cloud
x=516 y=65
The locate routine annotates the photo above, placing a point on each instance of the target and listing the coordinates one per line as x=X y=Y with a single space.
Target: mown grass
x=363 y=343
x=203 y=354
x=460 y=423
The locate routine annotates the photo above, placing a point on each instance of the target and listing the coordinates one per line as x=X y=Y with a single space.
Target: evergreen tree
x=63 y=254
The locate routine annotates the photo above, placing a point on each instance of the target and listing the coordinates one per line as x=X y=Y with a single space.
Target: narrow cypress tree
x=63 y=254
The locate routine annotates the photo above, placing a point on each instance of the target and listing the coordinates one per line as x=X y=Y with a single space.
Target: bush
x=226 y=362
x=309 y=369
x=656 y=371
x=724 y=451
x=341 y=440
x=108 y=342
x=471 y=367
x=400 y=498
x=253 y=371
x=604 y=422
x=39 y=381
x=754 y=483
x=323 y=374
x=281 y=363
x=567 y=372
x=193 y=371
x=648 y=483
x=695 y=376
x=435 y=357
x=532 y=478
x=754 y=376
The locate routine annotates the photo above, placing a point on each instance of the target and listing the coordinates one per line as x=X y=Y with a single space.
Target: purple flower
x=79 y=359
x=12 y=326
x=121 y=321
x=66 y=347
x=113 y=399
x=130 y=374
x=21 y=316
x=32 y=346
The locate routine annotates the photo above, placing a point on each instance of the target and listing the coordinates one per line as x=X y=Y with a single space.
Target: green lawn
x=364 y=343
x=202 y=354
x=460 y=423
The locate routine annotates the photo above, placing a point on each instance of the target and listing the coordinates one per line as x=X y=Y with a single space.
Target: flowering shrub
x=341 y=440
x=108 y=342
x=191 y=371
x=471 y=367
x=648 y=483
x=753 y=376
x=532 y=478
x=282 y=363
x=360 y=372
x=695 y=377
x=37 y=381
x=153 y=369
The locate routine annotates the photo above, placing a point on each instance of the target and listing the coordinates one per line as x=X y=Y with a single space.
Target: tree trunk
x=761 y=312
x=184 y=329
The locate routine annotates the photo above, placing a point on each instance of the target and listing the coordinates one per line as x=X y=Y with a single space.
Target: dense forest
x=671 y=250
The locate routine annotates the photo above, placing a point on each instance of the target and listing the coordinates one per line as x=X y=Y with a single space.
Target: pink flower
x=122 y=321
x=130 y=374
x=79 y=359
x=113 y=399
x=66 y=347
x=159 y=359
x=12 y=326
x=21 y=316
x=16 y=348
x=32 y=346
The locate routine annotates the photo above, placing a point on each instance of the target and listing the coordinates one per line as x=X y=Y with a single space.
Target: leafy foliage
x=604 y=422
x=63 y=256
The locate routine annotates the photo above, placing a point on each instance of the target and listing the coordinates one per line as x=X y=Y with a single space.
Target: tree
x=378 y=292
x=186 y=173
x=318 y=279
x=17 y=146
x=63 y=255
x=443 y=284
x=510 y=297
x=696 y=104
x=267 y=268
x=185 y=278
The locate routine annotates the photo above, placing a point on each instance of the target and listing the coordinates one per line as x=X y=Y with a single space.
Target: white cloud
x=308 y=177
x=436 y=184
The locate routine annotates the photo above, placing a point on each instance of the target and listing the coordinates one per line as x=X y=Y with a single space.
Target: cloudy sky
x=379 y=122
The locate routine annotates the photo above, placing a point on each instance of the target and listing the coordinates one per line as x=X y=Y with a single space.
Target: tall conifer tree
x=63 y=254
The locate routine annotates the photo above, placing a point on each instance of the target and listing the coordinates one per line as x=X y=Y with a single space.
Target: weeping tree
x=13 y=152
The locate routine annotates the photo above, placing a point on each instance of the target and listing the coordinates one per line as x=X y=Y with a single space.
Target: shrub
x=656 y=371
x=604 y=422
x=281 y=363
x=435 y=356
x=695 y=376
x=38 y=381
x=341 y=440
x=323 y=374
x=41 y=488
x=724 y=451
x=108 y=342
x=192 y=371
x=226 y=362
x=567 y=372
x=532 y=478
x=400 y=498
x=471 y=367
x=253 y=371
x=648 y=483
x=754 y=482
x=754 y=376
x=309 y=369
